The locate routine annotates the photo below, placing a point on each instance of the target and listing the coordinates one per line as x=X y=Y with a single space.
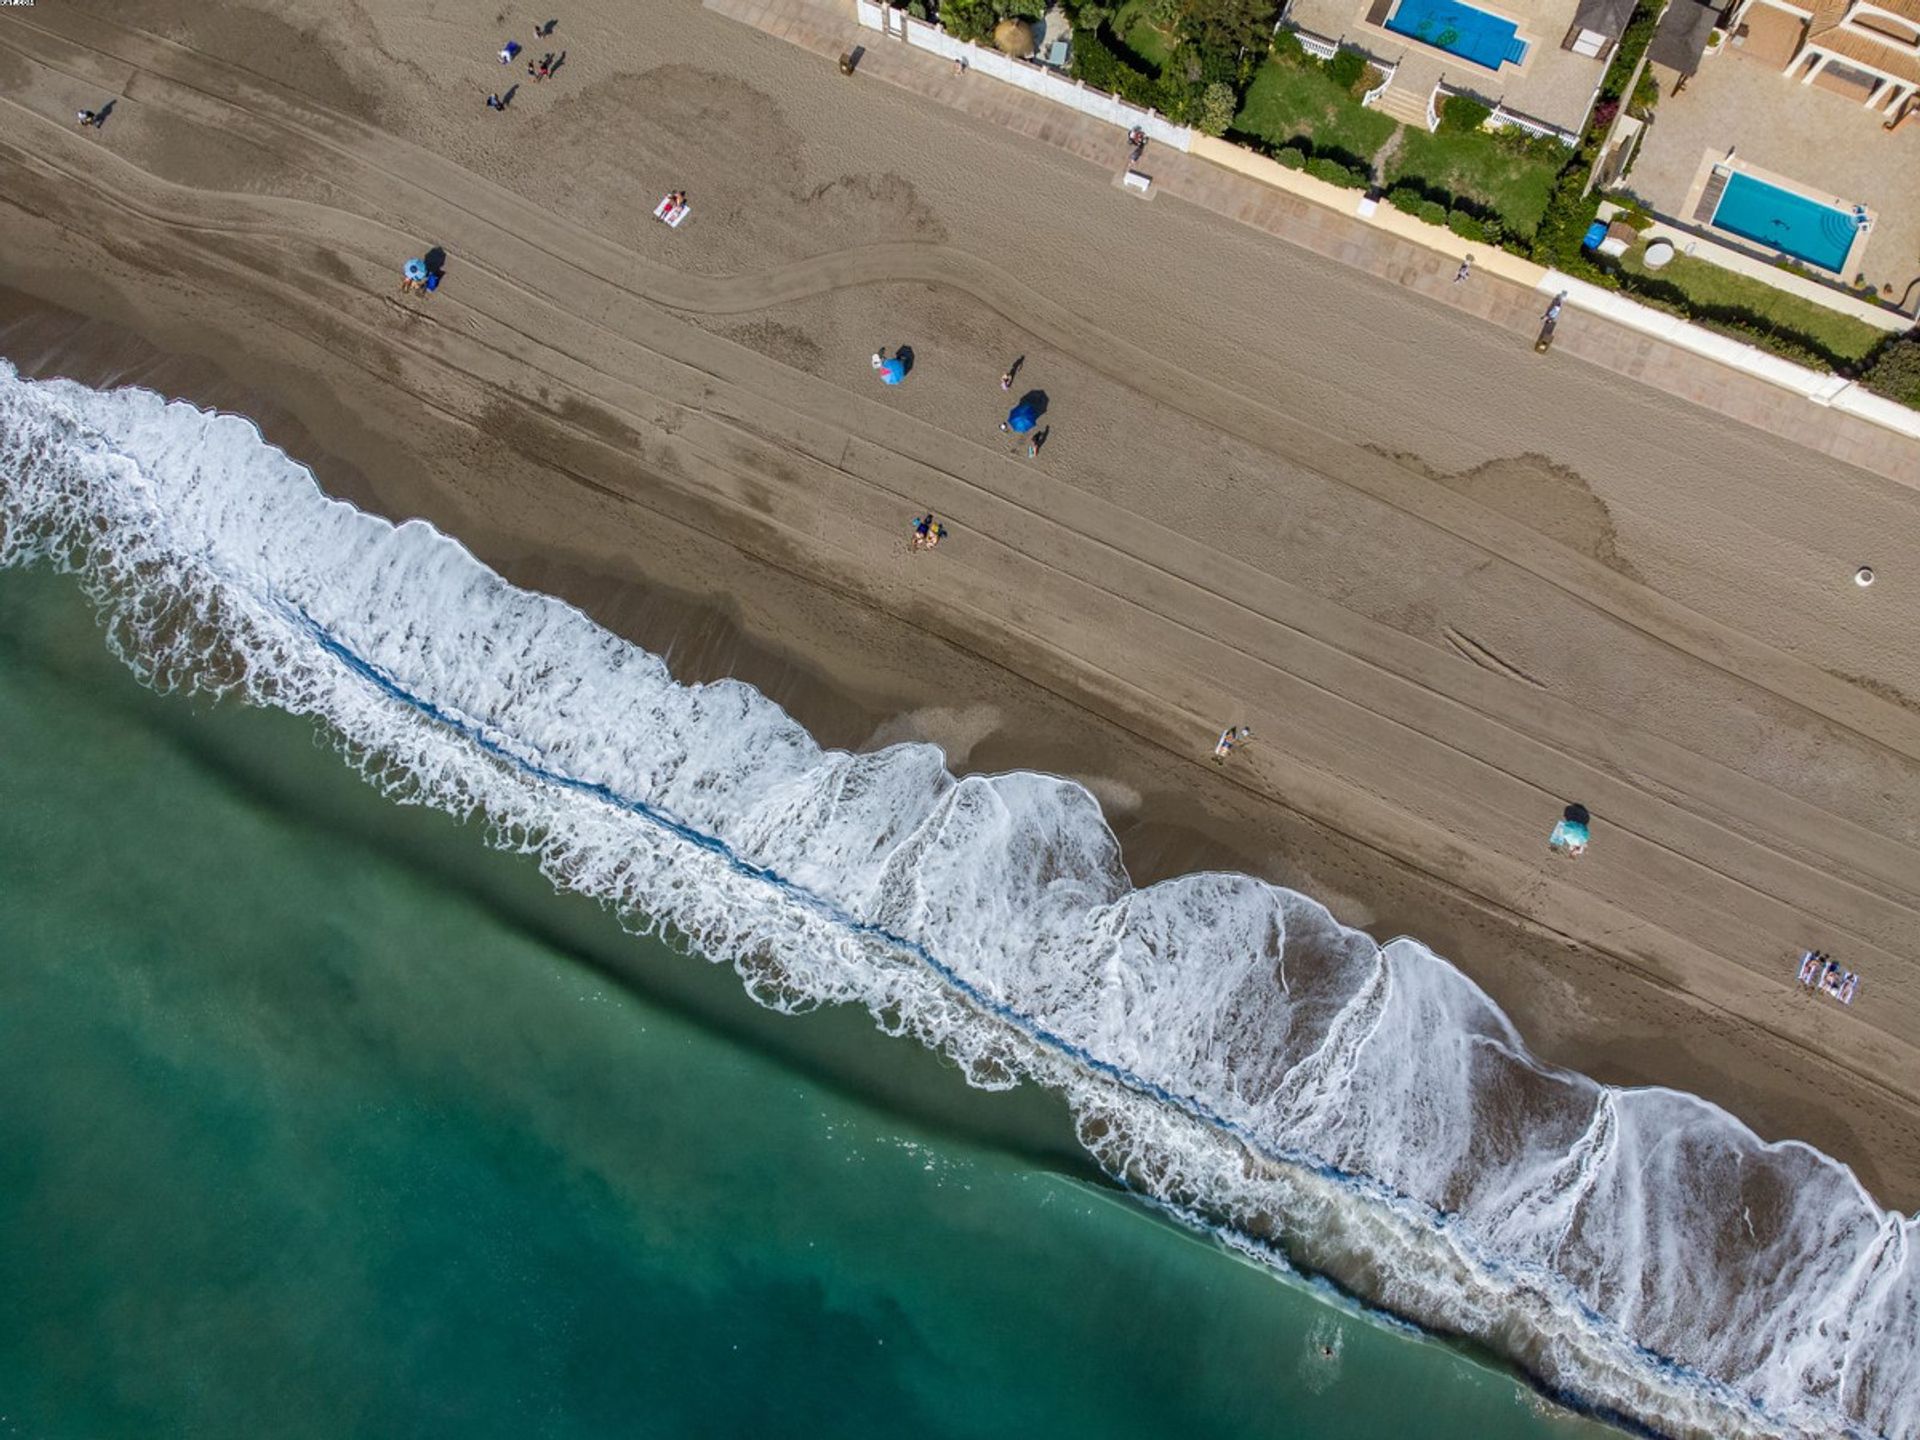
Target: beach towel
x=1569 y=837
x=665 y=211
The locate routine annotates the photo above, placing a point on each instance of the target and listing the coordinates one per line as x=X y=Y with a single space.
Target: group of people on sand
x=537 y=70
x=1820 y=971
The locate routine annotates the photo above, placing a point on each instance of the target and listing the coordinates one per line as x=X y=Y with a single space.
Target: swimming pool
x=1460 y=30
x=1805 y=229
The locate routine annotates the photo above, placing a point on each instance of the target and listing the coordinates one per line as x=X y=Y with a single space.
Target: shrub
x=1461 y=116
x=1334 y=173
x=1406 y=198
x=1217 y=106
x=1493 y=229
x=1091 y=17
x=1603 y=115
x=1569 y=212
x=1287 y=48
x=1894 y=370
x=1646 y=94
x=1626 y=54
x=1291 y=156
x=1370 y=79
x=1636 y=219
x=1346 y=68
x=917 y=9
x=1433 y=212
x=1466 y=226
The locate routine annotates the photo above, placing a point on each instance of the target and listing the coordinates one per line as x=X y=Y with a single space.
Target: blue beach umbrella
x=416 y=270
x=893 y=371
x=1021 y=418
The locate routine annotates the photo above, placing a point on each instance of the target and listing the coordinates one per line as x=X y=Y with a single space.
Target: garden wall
x=899 y=27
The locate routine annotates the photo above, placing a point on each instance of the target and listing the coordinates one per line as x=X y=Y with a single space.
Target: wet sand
x=1452 y=587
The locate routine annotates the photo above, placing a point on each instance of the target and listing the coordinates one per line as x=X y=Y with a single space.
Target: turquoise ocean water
x=320 y=1118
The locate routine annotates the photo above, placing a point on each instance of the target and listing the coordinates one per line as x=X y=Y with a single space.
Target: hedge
x=1101 y=66
x=1894 y=371
x=1334 y=173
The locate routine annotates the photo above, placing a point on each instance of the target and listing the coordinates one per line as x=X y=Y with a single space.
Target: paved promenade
x=1503 y=290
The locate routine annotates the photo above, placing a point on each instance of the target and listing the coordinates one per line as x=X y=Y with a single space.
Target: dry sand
x=1451 y=586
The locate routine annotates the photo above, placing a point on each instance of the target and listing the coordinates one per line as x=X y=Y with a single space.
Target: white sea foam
x=1228 y=1047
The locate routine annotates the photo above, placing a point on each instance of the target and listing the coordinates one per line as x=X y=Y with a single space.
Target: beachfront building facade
x=1866 y=49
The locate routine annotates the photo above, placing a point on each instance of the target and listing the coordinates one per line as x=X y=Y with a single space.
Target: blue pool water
x=1805 y=229
x=1460 y=30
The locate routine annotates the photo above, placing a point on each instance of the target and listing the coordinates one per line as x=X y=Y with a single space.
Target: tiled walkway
x=828 y=28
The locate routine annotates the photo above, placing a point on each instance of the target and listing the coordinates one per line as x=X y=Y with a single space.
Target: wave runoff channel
x=1228 y=1047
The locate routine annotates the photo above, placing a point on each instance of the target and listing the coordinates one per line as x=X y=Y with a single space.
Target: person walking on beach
x=543 y=70
x=1466 y=269
x=494 y=102
x=541 y=32
x=1229 y=738
x=89 y=119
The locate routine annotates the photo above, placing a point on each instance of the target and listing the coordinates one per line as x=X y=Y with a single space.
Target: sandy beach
x=1452 y=586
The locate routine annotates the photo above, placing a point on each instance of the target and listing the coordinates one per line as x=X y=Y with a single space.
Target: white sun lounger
x=662 y=211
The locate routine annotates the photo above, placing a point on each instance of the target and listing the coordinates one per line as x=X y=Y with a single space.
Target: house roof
x=1909 y=8
x=1828 y=13
x=1681 y=37
x=1852 y=46
x=1604 y=17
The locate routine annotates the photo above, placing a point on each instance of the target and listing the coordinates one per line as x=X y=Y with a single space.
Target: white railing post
x=1372 y=97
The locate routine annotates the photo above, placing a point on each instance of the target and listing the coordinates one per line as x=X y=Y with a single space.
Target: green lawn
x=1705 y=283
x=1481 y=167
x=1151 y=45
x=1292 y=101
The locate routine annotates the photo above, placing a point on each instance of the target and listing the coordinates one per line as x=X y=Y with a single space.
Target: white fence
x=1317 y=46
x=898 y=27
x=1505 y=119
x=1501 y=118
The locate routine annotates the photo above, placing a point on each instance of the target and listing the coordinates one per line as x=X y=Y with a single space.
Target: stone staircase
x=1405 y=103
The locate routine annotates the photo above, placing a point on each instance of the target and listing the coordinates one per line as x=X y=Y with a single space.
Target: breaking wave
x=1228 y=1048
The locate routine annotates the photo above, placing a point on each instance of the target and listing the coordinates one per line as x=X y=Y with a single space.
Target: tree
x=1217 y=107
x=1227 y=27
x=967 y=19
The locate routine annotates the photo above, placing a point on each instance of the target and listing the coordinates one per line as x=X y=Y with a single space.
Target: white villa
x=1864 y=48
